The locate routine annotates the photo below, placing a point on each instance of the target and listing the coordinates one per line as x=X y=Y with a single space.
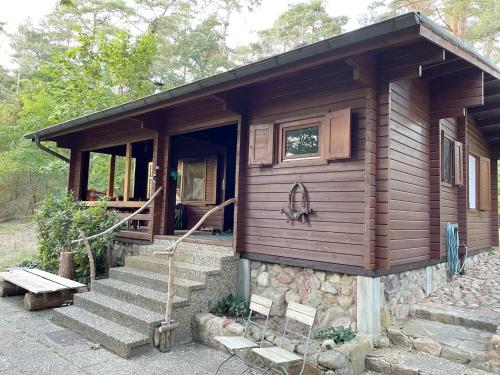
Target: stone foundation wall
x=400 y=290
x=333 y=294
x=324 y=357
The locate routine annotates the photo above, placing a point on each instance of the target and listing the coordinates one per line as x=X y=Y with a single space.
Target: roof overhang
x=394 y=31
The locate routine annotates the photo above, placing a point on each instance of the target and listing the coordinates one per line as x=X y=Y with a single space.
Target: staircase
x=440 y=340
x=122 y=312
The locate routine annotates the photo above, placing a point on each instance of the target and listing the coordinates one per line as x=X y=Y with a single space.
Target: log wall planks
x=479 y=233
x=409 y=172
x=335 y=231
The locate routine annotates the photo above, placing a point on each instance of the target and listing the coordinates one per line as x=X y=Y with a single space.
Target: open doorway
x=203 y=171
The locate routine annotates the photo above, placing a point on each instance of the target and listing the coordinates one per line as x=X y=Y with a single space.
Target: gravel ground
x=31 y=344
x=478 y=288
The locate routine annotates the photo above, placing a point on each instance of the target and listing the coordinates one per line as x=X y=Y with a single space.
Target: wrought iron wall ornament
x=297 y=214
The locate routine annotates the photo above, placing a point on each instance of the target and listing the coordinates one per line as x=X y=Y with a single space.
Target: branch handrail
x=163 y=336
x=172 y=246
x=86 y=240
x=121 y=222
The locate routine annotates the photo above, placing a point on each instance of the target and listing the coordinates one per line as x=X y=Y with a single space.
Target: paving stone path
x=478 y=289
x=30 y=343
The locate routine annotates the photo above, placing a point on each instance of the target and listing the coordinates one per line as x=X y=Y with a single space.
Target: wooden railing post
x=163 y=334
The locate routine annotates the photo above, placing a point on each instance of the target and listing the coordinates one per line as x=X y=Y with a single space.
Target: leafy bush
x=338 y=334
x=231 y=306
x=59 y=219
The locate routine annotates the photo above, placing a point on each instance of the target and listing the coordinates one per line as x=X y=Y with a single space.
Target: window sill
x=301 y=162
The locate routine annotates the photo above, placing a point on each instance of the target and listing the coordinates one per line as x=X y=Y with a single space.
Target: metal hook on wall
x=297 y=214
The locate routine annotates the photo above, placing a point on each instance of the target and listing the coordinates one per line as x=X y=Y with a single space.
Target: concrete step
x=183 y=270
x=115 y=337
x=455 y=343
x=161 y=245
x=127 y=314
x=154 y=280
x=403 y=362
x=144 y=297
x=458 y=316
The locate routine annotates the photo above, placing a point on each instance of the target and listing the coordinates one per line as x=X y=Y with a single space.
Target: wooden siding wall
x=382 y=259
x=335 y=232
x=409 y=172
x=444 y=198
x=478 y=222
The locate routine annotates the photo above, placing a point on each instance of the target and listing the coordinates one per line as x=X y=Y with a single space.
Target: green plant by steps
x=338 y=334
x=231 y=306
x=59 y=219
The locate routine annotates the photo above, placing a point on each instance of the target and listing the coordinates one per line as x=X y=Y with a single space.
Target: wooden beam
x=433 y=56
x=364 y=68
x=446 y=68
x=128 y=166
x=407 y=72
x=449 y=113
x=457 y=91
x=485 y=124
x=457 y=50
x=111 y=179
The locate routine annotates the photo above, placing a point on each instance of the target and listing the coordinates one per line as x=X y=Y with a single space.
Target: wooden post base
x=9 y=289
x=164 y=336
x=67 y=265
x=47 y=300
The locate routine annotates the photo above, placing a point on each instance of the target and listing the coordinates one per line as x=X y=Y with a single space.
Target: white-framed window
x=472 y=182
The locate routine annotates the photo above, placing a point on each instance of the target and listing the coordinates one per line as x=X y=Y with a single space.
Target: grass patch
x=17 y=242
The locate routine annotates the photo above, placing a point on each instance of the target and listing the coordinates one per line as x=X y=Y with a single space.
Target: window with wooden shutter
x=458 y=164
x=338 y=134
x=261 y=145
x=484 y=183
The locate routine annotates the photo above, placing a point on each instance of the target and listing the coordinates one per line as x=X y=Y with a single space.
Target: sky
x=242 y=31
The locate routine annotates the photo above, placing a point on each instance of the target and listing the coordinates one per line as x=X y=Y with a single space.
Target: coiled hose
x=452 y=249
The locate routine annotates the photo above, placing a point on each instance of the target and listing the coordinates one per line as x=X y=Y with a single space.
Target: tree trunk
x=67 y=265
x=47 y=300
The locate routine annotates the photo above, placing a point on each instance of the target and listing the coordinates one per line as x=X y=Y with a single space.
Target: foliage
x=59 y=220
x=338 y=334
x=231 y=306
x=301 y=24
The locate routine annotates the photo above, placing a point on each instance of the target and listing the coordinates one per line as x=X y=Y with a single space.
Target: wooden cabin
x=392 y=130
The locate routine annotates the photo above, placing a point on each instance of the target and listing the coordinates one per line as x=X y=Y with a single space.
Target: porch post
x=368 y=306
x=128 y=165
x=111 y=180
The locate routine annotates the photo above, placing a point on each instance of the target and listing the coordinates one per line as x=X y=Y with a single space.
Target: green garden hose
x=452 y=249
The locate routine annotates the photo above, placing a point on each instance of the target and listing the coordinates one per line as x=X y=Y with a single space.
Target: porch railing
x=163 y=335
x=135 y=215
x=140 y=226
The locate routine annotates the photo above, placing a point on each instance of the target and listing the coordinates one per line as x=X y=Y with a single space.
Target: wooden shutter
x=484 y=184
x=458 y=163
x=338 y=134
x=261 y=146
x=211 y=180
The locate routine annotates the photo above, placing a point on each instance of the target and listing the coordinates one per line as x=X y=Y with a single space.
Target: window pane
x=302 y=141
x=447 y=160
x=472 y=182
x=194 y=181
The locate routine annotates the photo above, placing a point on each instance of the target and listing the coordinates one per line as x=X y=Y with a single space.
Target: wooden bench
x=41 y=289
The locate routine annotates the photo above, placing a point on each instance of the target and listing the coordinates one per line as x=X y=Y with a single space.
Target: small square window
x=447 y=161
x=302 y=141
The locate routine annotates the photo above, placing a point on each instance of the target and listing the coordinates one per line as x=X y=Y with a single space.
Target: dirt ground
x=17 y=242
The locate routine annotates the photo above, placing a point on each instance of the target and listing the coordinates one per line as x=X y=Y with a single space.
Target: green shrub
x=59 y=219
x=337 y=334
x=231 y=306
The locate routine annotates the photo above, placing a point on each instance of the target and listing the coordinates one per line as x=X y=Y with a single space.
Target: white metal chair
x=280 y=358
x=236 y=344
